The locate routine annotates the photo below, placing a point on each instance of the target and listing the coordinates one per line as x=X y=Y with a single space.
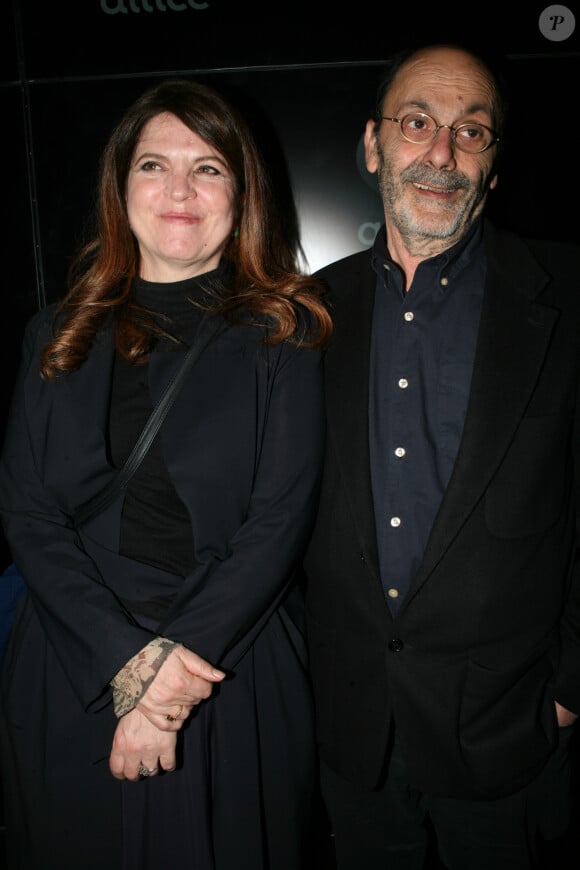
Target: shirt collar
x=444 y=266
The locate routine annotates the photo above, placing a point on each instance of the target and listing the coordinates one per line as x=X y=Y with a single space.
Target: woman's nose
x=180 y=186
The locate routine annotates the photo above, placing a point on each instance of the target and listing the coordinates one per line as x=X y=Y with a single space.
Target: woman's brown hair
x=265 y=278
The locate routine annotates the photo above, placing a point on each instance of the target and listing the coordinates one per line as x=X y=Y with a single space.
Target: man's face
x=433 y=191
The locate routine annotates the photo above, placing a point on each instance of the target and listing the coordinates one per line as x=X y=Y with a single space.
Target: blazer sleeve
x=68 y=595
x=566 y=688
x=225 y=603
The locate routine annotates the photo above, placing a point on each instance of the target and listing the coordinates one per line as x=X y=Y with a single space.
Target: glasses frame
x=453 y=130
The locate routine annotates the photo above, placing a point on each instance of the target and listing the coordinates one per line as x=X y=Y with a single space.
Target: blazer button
x=396 y=645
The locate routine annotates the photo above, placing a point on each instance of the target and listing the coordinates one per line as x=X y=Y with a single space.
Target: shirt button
x=395 y=522
x=408 y=315
x=444 y=282
x=393 y=593
x=403 y=383
x=400 y=452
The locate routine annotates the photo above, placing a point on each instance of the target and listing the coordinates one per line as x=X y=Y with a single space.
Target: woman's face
x=180 y=201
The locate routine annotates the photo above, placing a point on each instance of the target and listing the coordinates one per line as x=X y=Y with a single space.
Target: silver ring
x=147 y=771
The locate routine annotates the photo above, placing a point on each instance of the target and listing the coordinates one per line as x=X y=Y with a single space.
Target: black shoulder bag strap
x=204 y=334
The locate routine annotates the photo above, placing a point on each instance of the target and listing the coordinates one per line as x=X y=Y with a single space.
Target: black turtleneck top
x=155 y=524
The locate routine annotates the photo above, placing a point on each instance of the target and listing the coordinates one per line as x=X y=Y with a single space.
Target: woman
x=156 y=709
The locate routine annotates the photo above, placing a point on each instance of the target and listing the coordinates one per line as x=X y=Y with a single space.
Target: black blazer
x=489 y=633
x=243 y=445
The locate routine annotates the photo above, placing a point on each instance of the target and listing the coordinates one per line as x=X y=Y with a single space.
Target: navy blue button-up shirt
x=422 y=351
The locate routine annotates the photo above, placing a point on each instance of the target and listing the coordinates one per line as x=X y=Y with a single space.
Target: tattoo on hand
x=133 y=680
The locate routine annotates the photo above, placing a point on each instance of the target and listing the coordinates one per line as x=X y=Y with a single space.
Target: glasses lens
x=418 y=127
x=473 y=137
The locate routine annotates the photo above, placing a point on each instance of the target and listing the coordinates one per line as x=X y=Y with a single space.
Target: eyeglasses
x=419 y=128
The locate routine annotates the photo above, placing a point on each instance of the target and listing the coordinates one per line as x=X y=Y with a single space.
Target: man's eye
x=471 y=132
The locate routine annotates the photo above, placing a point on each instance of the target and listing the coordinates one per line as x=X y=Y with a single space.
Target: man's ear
x=370 y=141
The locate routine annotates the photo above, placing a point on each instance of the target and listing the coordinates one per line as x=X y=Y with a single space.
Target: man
x=443 y=581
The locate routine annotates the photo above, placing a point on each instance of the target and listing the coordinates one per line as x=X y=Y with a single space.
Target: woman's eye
x=149 y=166
x=208 y=169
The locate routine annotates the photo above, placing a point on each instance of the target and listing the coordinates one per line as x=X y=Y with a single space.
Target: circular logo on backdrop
x=557 y=23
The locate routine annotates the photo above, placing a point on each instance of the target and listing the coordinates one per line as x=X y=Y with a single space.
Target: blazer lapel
x=513 y=338
x=90 y=386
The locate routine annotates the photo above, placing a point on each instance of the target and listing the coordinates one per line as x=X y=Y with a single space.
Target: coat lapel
x=513 y=339
x=90 y=386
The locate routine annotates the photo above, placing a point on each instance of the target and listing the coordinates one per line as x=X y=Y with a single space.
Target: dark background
x=305 y=76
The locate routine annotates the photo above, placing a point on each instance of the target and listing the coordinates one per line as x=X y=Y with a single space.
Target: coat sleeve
x=76 y=609
x=566 y=689
x=562 y=262
x=226 y=601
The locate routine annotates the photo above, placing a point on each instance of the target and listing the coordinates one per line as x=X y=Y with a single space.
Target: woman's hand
x=140 y=746
x=183 y=681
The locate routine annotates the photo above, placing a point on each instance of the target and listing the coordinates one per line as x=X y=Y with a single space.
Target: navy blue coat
x=243 y=445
